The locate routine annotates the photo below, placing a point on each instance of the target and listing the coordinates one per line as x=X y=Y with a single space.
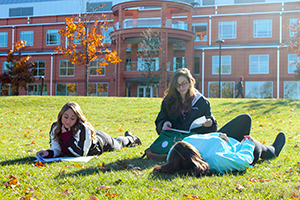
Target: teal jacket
x=223 y=156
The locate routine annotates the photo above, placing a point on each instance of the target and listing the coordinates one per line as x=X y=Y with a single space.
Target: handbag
x=166 y=140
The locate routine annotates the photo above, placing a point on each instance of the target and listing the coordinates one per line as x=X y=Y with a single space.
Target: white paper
x=70 y=159
x=195 y=124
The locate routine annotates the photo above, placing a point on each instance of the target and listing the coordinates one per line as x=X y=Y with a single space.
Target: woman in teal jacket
x=217 y=153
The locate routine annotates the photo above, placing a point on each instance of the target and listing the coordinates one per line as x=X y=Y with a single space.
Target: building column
x=163 y=61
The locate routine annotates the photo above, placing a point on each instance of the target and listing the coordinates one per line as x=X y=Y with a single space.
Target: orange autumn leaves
x=89 y=43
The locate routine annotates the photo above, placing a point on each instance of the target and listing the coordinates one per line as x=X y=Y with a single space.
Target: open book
x=195 y=124
x=56 y=159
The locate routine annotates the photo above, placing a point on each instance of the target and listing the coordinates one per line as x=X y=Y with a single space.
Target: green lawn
x=24 y=129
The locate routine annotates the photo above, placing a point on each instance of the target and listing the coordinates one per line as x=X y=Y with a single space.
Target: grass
x=24 y=129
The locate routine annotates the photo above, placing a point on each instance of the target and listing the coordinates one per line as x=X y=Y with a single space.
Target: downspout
x=202 y=89
x=13 y=37
x=51 y=75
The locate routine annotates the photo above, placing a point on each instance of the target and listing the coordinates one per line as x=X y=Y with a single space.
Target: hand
x=64 y=129
x=248 y=137
x=224 y=137
x=167 y=125
x=43 y=153
x=208 y=123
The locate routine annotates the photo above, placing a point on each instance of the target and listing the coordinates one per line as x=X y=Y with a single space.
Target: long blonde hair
x=173 y=98
x=80 y=118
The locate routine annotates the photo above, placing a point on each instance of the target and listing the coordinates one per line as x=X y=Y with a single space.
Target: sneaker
x=279 y=143
x=134 y=140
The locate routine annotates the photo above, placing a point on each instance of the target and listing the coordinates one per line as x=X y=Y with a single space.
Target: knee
x=246 y=118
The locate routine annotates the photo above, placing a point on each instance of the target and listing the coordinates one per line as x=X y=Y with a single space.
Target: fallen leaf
x=194 y=197
x=92 y=197
x=154 y=190
x=103 y=187
x=111 y=195
x=240 y=187
x=39 y=164
x=295 y=196
x=122 y=163
x=118 y=181
x=296 y=146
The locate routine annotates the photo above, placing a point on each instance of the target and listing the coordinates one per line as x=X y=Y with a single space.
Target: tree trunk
x=86 y=79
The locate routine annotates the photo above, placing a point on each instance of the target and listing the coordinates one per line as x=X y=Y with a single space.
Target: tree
x=89 y=45
x=18 y=71
x=294 y=44
x=150 y=47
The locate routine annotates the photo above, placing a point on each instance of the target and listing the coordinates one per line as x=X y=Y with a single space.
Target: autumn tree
x=89 y=44
x=18 y=72
x=150 y=47
x=294 y=44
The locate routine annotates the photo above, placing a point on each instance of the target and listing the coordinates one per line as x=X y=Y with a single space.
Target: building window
x=66 y=68
x=96 y=7
x=262 y=28
x=35 y=89
x=225 y=65
x=208 y=2
x=248 y=1
x=27 y=36
x=144 y=65
x=178 y=62
x=98 y=89
x=96 y=69
x=226 y=89
x=227 y=30
x=291 y=89
x=52 y=37
x=106 y=34
x=292 y=63
x=8 y=90
x=200 y=30
x=39 y=69
x=5 y=66
x=66 y=89
x=3 y=39
x=197 y=65
x=258 y=64
x=293 y=32
x=259 y=89
x=26 y=11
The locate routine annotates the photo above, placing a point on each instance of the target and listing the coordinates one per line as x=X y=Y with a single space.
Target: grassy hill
x=24 y=129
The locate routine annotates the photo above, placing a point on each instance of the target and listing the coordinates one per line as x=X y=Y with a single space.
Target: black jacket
x=200 y=107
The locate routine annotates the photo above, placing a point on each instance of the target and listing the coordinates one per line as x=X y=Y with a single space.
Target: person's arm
x=161 y=118
x=154 y=156
x=81 y=143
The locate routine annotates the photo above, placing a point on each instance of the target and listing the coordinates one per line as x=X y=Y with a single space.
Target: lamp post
x=220 y=41
x=42 y=87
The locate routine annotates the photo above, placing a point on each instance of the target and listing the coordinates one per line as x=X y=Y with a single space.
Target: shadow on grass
x=129 y=164
x=22 y=161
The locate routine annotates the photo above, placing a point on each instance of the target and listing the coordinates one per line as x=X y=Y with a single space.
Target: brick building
x=252 y=34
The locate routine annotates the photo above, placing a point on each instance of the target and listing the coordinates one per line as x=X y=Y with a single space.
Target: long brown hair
x=184 y=159
x=80 y=118
x=173 y=98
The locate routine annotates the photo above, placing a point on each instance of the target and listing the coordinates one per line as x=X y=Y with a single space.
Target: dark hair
x=173 y=98
x=184 y=158
x=80 y=118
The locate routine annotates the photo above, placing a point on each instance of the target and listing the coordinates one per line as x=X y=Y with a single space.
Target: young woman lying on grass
x=217 y=153
x=73 y=135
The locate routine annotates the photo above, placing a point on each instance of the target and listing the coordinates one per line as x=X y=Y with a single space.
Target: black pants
x=110 y=143
x=240 y=92
x=240 y=126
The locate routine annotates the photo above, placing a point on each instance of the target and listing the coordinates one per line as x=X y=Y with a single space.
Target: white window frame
x=27 y=36
x=67 y=85
x=106 y=33
x=295 y=93
x=228 y=26
x=175 y=63
x=68 y=67
x=259 y=85
x=265 y=23
x=293 y=21
x=37 y=89
x=141 y=63
x=48 y=35
x=222 y=82
x=151 y=87
x=102 y=94
x=197 y=38
x=97 y=61
x=292 y=58
x=38 y=68
x=259 y=65
x=4 y=68
x=3 y=39
x=215 y=64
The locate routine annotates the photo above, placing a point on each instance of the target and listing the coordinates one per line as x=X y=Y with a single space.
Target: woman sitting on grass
x=73 y=135
x=217 y=153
